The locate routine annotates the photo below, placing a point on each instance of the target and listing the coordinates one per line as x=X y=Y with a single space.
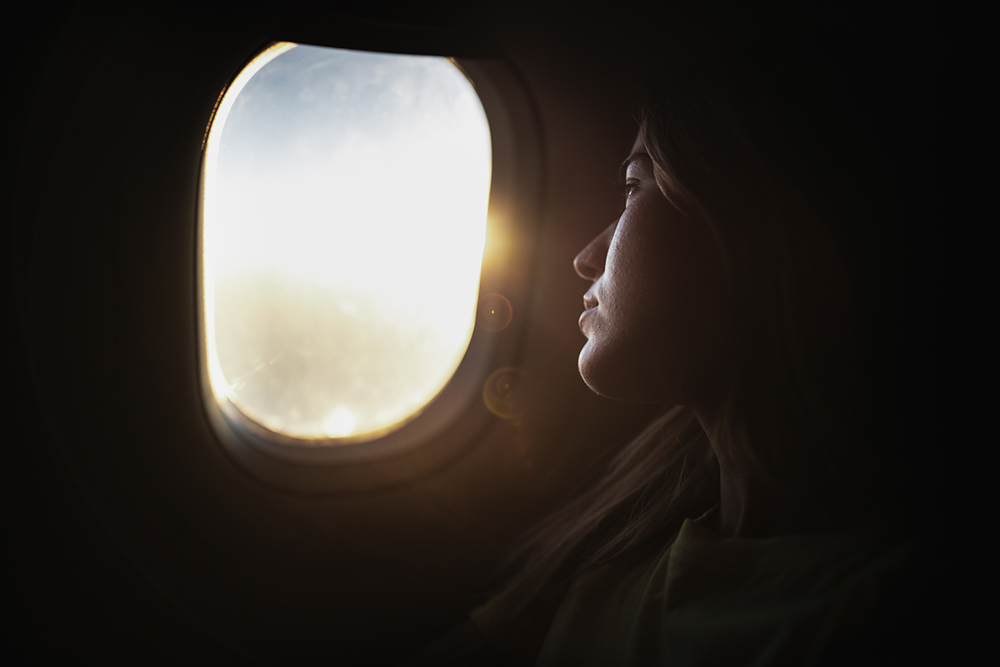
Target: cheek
x=662 y=331
x=643 y=285
x=623 y=355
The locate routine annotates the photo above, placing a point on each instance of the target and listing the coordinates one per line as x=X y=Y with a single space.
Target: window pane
x=344 y=217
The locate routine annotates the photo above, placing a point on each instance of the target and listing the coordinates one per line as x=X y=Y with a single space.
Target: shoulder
x=772 y=601
x=706 y=600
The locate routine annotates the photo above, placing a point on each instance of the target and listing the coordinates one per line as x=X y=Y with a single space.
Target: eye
x=629 y=188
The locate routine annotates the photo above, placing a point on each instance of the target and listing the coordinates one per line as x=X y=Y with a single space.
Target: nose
x=589 y=264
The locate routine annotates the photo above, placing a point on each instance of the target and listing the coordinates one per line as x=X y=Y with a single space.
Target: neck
x=753 y=505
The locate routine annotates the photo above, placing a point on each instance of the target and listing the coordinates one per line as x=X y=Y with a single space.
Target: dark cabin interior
x=135 y=537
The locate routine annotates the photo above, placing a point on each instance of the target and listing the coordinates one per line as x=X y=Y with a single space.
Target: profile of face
x=658 y=315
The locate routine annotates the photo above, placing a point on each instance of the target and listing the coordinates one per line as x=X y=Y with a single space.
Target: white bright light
x=344 y=217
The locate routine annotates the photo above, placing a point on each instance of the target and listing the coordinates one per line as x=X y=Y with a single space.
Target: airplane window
x=343 y=224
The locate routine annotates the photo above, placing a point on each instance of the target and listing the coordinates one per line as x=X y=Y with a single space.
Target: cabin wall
x=139 y=537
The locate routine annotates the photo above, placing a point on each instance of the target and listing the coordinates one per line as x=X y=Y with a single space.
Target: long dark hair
x=735 y=145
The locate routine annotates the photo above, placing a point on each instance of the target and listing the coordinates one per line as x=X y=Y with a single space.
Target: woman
x=757 y=521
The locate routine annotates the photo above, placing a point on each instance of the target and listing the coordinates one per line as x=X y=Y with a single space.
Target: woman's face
x=658 y=316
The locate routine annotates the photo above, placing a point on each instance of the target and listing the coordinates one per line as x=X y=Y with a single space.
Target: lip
x=589 y=306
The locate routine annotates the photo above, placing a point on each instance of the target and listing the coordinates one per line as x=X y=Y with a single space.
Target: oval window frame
x=456 y=416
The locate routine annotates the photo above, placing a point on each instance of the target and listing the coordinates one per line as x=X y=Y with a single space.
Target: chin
x=617 y=372
x=588 y=369
x=608 y=378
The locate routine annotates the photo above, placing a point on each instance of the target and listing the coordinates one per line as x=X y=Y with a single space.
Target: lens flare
x=495 y=312
x=504 y=393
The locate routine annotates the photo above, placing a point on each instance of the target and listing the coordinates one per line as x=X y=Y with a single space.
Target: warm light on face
x=344 y=216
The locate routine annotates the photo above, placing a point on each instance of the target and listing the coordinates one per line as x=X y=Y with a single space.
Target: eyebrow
x=622 y=170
